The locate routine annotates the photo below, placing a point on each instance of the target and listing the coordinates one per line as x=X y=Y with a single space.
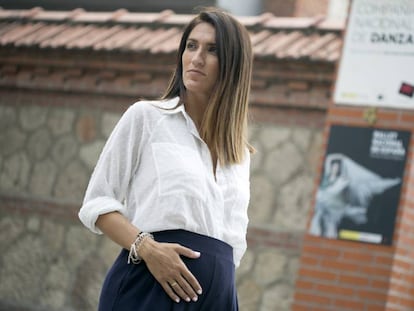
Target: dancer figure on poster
x=346 y=191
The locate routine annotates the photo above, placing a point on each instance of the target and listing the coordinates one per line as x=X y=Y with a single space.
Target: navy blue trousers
x=133 y=288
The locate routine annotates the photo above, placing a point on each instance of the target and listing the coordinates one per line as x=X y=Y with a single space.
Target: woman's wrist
x=146 y=246
x=135 y=248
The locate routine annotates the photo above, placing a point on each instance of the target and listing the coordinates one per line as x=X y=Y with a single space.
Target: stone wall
x=282 y=180
x=49 y=144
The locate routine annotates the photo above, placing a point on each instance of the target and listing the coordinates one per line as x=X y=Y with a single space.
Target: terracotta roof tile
x=56 y=16
x=178 y=19
x=292 y=23
x=6 y=27
x=279 y=41
x=19 y=14
x=317 y=43
x=143 y=42
x=154 y=38
x=259 y=37
x=330 y=52
x=99 y=17
x=68 y=34
x=18 y=32
x=276 y=37
x=120 y=39
x=94 y=36
x=169 y=43
x=295 y=50
x=264 y=47
x=39 y=36
x=136 y=18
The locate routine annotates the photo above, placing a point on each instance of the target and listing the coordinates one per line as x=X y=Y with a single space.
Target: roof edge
x=164 y=18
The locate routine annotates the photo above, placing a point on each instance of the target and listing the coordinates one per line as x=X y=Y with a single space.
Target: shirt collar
x=169 y=106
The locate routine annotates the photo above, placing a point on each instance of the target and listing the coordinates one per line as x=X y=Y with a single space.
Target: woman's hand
x=164 y=262
x=162 y=259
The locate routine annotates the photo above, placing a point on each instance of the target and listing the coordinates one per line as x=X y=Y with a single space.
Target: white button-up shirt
x=157 y=171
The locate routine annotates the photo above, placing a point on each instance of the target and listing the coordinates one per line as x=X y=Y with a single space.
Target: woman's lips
x=195 y=71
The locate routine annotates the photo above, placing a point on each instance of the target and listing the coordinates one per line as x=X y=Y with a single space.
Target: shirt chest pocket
x=180 y=170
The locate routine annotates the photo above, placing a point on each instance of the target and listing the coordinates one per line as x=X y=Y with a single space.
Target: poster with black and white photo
x=359 y=191
x=377 y=62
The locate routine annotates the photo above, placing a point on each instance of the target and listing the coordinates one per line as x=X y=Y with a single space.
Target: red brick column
x=343 y=275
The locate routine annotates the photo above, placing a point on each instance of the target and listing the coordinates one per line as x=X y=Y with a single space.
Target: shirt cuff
x=91 y=210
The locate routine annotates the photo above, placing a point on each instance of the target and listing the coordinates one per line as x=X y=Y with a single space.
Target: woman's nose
x=198 y=58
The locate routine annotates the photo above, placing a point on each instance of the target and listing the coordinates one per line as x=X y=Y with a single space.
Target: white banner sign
x=377 y=64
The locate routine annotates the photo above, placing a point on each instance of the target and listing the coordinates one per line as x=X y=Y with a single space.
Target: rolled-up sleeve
x=108 y=186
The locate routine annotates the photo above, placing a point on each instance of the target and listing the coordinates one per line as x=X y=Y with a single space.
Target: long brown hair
x=224 y=125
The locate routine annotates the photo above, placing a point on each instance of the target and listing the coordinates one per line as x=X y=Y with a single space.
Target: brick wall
x=342 y=275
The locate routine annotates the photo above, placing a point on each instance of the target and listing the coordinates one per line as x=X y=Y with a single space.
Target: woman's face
x=200 y=60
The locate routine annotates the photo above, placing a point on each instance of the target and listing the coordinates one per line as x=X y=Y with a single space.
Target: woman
x=172 y=183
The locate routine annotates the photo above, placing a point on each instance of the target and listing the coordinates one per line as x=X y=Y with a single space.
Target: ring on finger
x=173 y=284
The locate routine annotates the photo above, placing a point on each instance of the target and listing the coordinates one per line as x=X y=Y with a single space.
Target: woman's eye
x=191 y=45
x=212 y=49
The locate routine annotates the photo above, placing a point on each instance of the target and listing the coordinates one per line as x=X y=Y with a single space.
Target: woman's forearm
x=118 y=228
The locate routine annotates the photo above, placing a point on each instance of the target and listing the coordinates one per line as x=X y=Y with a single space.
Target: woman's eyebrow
x=195 y=40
